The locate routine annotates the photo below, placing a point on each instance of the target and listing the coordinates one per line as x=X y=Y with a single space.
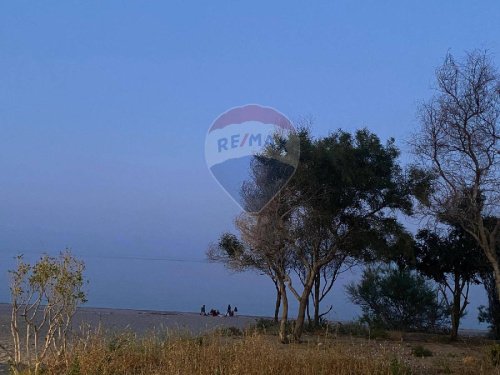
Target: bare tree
x=268 y=236
x=263 y=246
x=323 y=283
x=459 y=145
x=232 y=253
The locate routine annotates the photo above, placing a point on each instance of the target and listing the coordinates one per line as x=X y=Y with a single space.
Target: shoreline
x=144 y=320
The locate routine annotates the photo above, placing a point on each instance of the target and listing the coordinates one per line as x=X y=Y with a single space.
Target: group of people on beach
x=214 y=312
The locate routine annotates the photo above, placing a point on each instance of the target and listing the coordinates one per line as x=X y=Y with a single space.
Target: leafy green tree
x=350 y=187
x=454 y=261
x=397 y=298
x=340 y=205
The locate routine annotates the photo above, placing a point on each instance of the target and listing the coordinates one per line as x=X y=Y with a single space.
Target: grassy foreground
x=233 y=352
x=216 y=354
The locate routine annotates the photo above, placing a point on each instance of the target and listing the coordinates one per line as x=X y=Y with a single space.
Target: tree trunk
x=284 y=313
x=277 y=305
x=299 y=323
x=455 y=309
x=309 y=321
x=489 y=245
x=493 y=260
x=496 y=276
x=317 y=284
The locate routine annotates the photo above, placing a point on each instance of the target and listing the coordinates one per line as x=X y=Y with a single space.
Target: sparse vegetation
x=420 y=351
x=45 y=296
x=495 y=354
x=251 y=352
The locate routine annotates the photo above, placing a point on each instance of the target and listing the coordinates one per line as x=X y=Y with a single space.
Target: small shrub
x=397 y=367
x=74 y=367
x=269 y=326
x=199 y=340
x=378 y=333
x=119 y=341
x=357 y=329
x=445 y=369
x=420 y=351
x=495 y=354
x=229 y=331
x=263 y=323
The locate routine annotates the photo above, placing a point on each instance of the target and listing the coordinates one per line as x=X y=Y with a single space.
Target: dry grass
x=255 y=353
x=214 y=354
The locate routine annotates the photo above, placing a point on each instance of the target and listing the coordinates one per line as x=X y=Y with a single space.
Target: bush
x=378 y=333
x=263 y=323
x=420 y=351
x=397 y=367
x=229 y=331
x=495 y=354
x=357 y=329
x=393 y=298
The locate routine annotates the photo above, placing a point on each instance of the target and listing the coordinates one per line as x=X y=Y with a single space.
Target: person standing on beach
x=228 y=313
x=203 y=310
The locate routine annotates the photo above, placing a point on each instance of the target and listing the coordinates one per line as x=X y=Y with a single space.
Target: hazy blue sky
x=104 y=107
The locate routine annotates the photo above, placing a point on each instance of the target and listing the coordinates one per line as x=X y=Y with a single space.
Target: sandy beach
x=138 y=321
x=141 y=321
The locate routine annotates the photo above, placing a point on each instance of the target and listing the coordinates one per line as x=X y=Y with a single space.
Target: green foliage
x=231 y=244
x=229 y=331
x=454 y=253
x=378 y=333
x=348 y=180
x=270 y=327
x=453 y=259
x=74 y=367
x=394 y=298
x=58 y=279
x=263 y=323
x=495 y=354
x=420 y=351
x=490 y=314
x=397 y=367
x=357 y=329
x=45 y=295
x=339 y=206
x=120 y=341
